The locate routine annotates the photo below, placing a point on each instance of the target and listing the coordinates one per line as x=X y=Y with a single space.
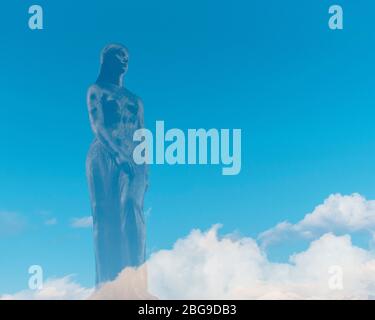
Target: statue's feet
x=131 y=284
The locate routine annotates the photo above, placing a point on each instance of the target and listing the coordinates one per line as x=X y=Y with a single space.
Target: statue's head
x=114 y=59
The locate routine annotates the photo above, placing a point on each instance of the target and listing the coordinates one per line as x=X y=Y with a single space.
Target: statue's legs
x=133 y=228
x=103 y=178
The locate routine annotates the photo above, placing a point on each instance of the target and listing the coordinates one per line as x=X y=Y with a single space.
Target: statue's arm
x=141 y=125
x=141 y=116
x=95 y=106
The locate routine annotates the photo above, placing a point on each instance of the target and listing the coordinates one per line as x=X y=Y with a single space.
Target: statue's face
x=123 y=59
x=117 y=60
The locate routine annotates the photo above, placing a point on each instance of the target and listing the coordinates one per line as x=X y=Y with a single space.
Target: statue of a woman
x=116 y=184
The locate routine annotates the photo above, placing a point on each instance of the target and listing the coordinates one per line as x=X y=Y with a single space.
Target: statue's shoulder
x=95 y=94
x=98 y=91
x=94 y=91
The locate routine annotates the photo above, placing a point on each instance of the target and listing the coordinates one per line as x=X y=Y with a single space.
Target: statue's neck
x=113 y=78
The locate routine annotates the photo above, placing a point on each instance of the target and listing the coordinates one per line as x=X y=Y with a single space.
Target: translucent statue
x=116 y=184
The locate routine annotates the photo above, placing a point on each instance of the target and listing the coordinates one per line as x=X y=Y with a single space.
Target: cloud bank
x=53 y=289
x=204 y=265
x=344 y=214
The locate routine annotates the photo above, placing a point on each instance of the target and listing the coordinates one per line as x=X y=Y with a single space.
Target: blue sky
x=301 y=93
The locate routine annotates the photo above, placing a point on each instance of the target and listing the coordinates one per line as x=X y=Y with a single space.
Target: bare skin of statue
x=117 y=185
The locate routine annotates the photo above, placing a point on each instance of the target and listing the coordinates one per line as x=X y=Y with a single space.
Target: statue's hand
x=126 y=166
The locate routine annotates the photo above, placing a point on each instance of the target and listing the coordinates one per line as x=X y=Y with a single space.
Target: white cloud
x=53 y=289
x=50 y=222
x=11 y=223
x=338 y=213
x=85 y=222
x=204 y=265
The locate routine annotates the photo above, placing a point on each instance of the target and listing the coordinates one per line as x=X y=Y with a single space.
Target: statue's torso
x=121 y=114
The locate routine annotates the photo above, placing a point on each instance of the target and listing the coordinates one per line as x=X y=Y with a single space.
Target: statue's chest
x=120 y=110
x=127 y=110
